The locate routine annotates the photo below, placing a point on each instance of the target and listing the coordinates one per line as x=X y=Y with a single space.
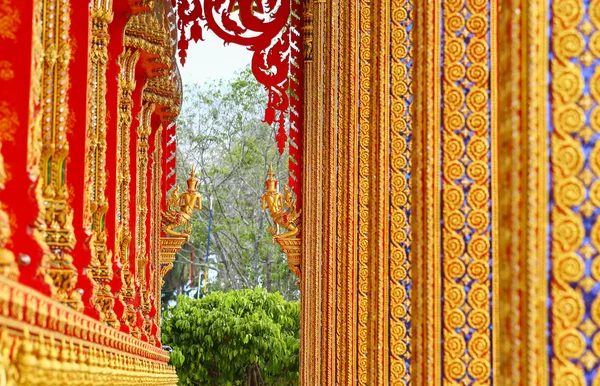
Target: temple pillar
x=548 y=132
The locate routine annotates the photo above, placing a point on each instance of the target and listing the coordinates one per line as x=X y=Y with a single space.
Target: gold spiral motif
x=596 y=348
x=574 y=378
x=455 y=345
x=569 y=231
x=455 y=369
x=477 y=149
x=454 y=147
x=478 y=220
x=478 y=296
x=455 y=268
x=478 y=171
x=594 y=12
x=453 y=245
x=400 y=199
x=568 y=119
x=479 y=248
x=477 y=6
x=595 y=268
x=455 y=221
x=454 y=51
x=454 y=73
x=479 y=345
x=479 y=369
x=454 y=295
x=478 y=25
x=454 y=5
x=595 y=119
x=399 y=273
x=478 y=122
x=594 y=45
x=399 y=311
x=477 y=50
x=477 y=73
x=477 y=99
x=479 y=319
x=466 y=221
x=478 y=197
x=569 y=12
x=595 y=234
x=454 y=23
x=453 y=99
x=454 y=170
x=455 y=319
x=569 y=159
x=595 y=159
x=569 y=267
x=567 y=84
x=568 y=307
x=570 y=192
x=454 y=198
x=571 y=344
x=595 y=312
x=478 y=270
x=568 y=44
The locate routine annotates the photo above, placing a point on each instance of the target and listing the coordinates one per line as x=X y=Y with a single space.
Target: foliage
x=220 y=131
x=246 y=337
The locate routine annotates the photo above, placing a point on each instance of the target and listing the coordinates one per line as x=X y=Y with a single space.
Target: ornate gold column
x=455 y=218
x=57 y=227
x=523 y=228
x=127 y=61
x=549 y=131
x=96 y=200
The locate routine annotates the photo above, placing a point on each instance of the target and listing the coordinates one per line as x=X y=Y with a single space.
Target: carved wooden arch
x=272 y=30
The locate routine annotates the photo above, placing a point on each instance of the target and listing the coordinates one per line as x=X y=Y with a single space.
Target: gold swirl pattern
x=363 y=188
x=575 y=98
x=466 y=187
x=400 y=237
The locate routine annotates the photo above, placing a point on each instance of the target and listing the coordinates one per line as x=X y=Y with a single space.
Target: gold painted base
x=43 y=342
x=293 y=250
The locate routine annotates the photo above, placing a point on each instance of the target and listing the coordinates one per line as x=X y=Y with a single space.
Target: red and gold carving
x=57 y=216
x=97 y=203
x=283 y=211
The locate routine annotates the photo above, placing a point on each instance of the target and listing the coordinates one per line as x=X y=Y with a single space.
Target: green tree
x=246 y=337
x=220 y=131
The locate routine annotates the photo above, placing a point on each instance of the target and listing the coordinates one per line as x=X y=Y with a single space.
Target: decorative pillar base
x=293 y=250
x=169 y=246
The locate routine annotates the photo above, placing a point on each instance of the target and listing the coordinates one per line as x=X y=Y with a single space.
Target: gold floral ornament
x=180 y=208
x=283 y=212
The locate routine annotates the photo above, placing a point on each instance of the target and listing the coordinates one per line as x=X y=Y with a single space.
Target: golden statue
x=282 y=208
x=180 y=208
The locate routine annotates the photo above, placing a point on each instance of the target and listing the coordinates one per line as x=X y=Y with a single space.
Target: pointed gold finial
x=271 y=182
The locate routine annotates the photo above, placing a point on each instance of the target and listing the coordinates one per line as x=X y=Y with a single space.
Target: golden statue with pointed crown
x=180 y=208
x=282 y=208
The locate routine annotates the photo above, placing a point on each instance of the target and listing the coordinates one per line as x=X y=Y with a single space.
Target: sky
x=210 y=59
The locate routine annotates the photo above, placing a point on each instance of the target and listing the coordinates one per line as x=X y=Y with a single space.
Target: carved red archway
x=271 y=29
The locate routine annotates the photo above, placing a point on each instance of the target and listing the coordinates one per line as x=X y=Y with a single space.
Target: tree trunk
x=267 y=265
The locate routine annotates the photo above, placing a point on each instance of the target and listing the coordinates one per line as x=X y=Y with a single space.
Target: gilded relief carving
x=97 y=203
x=57 y=227
x=283 y=212
x=126 y=84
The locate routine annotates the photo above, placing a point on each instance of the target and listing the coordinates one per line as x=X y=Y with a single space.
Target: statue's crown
x=192 y=182
x=271 y=181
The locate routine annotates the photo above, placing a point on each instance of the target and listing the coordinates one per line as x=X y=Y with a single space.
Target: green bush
x=247 y=337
